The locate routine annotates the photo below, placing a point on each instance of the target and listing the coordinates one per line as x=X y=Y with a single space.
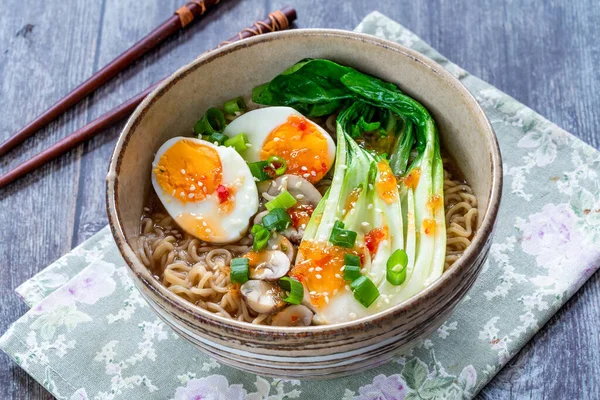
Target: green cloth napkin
x=89 y=334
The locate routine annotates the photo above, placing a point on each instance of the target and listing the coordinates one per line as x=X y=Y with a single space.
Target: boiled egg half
x=308 y=149
x=208 y=190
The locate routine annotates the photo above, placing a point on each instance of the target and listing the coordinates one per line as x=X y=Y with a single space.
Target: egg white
x=235 y=173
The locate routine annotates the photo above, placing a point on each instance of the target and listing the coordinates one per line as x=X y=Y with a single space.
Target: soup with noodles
x=325 y=200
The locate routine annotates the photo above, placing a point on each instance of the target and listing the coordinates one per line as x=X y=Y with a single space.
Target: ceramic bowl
x=315 y=351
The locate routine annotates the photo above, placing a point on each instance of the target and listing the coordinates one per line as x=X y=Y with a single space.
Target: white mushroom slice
x=280 y=242
x=296 y=315
x=303 y=191
x=261 y=296
x=258 y=218
x=272 y=265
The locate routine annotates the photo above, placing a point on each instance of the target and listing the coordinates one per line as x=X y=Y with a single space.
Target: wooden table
x=545 y=54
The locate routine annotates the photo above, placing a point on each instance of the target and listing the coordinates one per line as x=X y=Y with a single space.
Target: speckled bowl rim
x=208 y=318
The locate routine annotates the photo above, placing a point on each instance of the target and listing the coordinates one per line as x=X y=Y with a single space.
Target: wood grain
x=542 y=53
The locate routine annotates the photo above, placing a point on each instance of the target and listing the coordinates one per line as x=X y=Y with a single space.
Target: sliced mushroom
x=280 y=242
x=258 y=218
x=296 y=315
x=272 y=265
x=262 y=296
x=303 y=191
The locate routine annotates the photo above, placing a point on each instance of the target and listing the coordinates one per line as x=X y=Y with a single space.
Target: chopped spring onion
x=235 y=105
x=342 y=237
x=396 y=267
x=258 y=171
x=213 y=121
x=277 y=219
x=239 y=270
x=294 y=288
x=364 y=290
x=261 y=237
x=217 y=137
x=239 y=142
x=351 y=267
x=283 y=200
x=277 y=164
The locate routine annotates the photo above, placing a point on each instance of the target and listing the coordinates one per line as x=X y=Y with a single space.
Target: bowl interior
x=234 y=70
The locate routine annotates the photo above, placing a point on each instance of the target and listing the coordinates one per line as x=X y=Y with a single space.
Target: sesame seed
x=182 y=171
x=312 y=292
x=365 y=223
x=256 y=179
x=370 y=206
x=274 y=247
x=299 y=184
x=173 y=194
x=304 y=168
x=327 y=299
x=347 y=287
x=311 y=269
x=204 y=223
x=379 y=210
x=192 y=188
x=325 y=293
x=337 y=276
x=306 y=175
x=276 y=139
x=300 y=196
x=352 y=315
x=182 y=194
x=303 y=226
x=313 y=173
x=200 y=184
x=208 y=230
x=343 y=268
x=335 y=291
x=318 y=276
x=248 y=144
x=318 y=269
x=191 y=196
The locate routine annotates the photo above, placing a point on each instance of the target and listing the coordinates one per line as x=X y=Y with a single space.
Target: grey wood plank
x=542 y=53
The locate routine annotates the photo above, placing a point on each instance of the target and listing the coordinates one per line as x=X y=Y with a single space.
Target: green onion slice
x=239 y=272
x=213 y=121
x=294 y=288
x=239 y=142
x=261 y=237
x=235 y=105
x=364 y=290
x=258 y=171
x=277 y=164
x=342 y=237
x=217 y=137
x=283 y=200
x=351 y=267
x=277 y=219
x=396 y=267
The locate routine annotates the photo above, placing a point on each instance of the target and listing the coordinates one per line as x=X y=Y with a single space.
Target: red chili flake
x=374 y=237
x=302 y=125
x=223 y=193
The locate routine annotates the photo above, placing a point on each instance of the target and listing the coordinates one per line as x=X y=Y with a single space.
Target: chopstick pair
x=275 y=21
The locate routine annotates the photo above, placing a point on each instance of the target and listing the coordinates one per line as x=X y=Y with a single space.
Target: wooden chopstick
x=184 y=16
x=275 y=21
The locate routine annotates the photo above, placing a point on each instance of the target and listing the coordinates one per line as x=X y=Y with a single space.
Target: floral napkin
x=89 y=334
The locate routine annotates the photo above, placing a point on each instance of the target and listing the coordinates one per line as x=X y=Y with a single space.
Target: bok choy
x=391 y=204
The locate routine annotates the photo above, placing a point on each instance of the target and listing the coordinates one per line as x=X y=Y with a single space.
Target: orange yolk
x=412 y=179
x=386 y=184
x=189 y=171
x=207 y=228
x=301 y=145
x=428 y=226
x=321 y=270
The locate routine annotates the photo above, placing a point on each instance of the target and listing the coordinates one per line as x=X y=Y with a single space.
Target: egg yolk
x=321 y=270
x=386 y=184
x=301 y=145
x=189 y=171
